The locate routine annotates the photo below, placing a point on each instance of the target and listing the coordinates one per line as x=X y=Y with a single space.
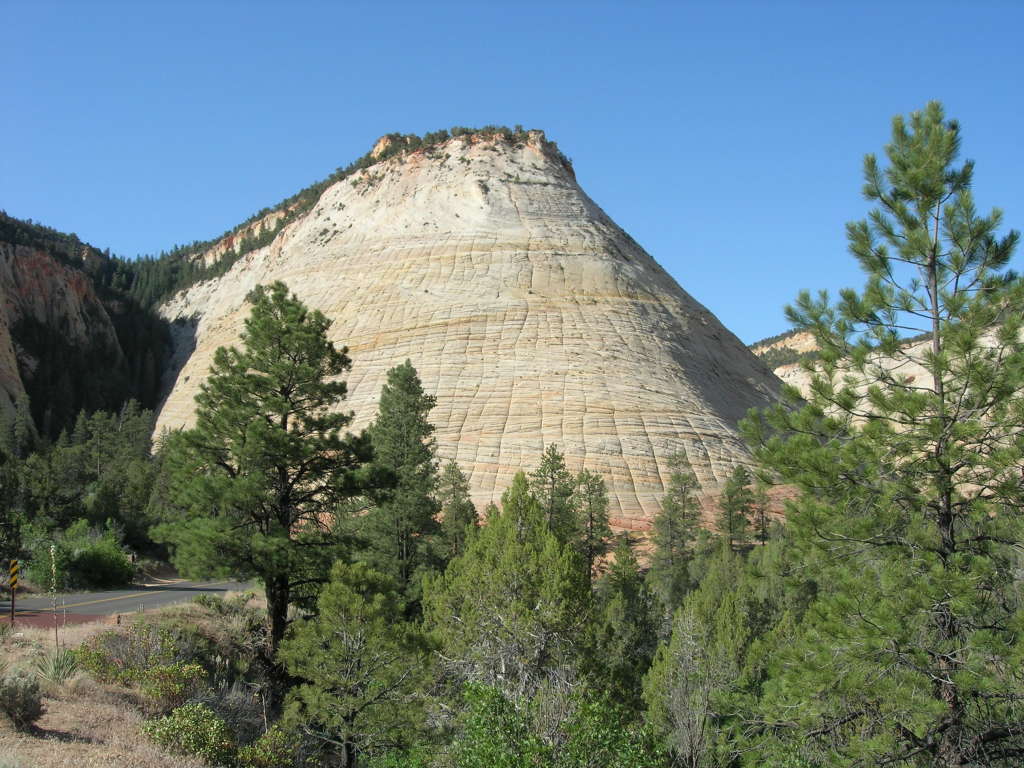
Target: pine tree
x=909 y=478
x=361 y=667
x=552 y=485
x=625 y=627
x=24 y=437
x=458 y=515
x=510 y=610
x=760 y=519
x=737 y=506
x=11 y=518
x=261 y=473
x=590 y=501
x=401 y=529
x=691 y=674
x=673 y=532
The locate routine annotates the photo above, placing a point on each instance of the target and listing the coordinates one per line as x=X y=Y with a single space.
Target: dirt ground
x=86 y=724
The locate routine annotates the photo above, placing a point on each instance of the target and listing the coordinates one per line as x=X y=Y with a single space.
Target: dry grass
x=259 y=599
x=71 y=636
x=21 y=647
x=86 y=724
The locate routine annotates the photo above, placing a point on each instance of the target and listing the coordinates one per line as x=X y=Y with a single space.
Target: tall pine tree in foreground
x=363 y=668
x=910 y=484
x=590 y=500
x=263 y=470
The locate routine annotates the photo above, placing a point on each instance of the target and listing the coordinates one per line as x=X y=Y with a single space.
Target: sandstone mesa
x=531 y=316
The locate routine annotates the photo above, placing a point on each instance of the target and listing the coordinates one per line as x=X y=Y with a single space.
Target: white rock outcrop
x=531 y=316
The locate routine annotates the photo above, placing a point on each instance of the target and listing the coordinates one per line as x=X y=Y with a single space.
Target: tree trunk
x=950 y=751
x=277 y=613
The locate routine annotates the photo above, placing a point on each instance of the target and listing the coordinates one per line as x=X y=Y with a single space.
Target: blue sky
x=726 y=137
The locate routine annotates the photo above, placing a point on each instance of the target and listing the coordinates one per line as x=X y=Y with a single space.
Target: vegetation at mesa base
x=880 y=625
x=87 y=494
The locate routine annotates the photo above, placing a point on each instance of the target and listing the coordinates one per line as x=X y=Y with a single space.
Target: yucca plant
x=56 y=667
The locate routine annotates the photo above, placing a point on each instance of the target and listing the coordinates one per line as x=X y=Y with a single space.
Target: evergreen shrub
x=171 y=685
x=20 y=698
x=194 y=729
x=274 y=749
x=122 y=656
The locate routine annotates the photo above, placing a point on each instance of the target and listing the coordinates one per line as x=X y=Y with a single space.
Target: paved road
x=131 y=600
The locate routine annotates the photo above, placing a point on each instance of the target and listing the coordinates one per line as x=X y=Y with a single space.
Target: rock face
x=43 y=300
x=796 y=341
x=531 y=316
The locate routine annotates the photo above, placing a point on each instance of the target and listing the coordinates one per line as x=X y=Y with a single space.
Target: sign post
x=14 y=587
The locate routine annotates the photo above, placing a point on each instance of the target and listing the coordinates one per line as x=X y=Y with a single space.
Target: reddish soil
x=44 y=619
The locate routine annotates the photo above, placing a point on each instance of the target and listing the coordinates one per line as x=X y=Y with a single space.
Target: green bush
x=20 y=698
x=171 y=685
x=222 y=644
x=194 y=729
x=122 y=656
x=420 y=757
x=274 y=749
x=87 y=558
x=602 y=733
x=593 y=732
x=495 y=734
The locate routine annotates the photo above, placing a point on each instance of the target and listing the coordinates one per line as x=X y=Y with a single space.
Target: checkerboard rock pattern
x=531 y=316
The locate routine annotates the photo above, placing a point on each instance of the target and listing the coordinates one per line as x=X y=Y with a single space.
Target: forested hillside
x=117 y=355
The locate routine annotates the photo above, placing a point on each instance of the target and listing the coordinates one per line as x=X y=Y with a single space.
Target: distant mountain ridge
x=785 y=350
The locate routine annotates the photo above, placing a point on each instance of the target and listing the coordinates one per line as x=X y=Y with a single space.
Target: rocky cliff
x=71 y=336
x=794 y=342
x=526 y=310
x=49 y=312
